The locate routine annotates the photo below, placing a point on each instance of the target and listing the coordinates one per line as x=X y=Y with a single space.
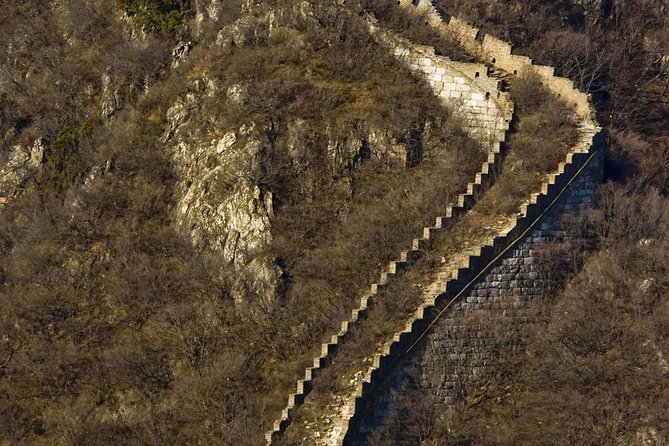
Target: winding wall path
x=506 y=259
x=476 y=86
x=452 y=285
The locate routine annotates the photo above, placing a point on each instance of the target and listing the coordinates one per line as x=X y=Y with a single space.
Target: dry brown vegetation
x=542 y=133
x=411 y=25
x=114 y=329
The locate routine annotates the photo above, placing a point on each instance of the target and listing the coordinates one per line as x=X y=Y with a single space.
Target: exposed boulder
x=222 y=207
x=15 y=171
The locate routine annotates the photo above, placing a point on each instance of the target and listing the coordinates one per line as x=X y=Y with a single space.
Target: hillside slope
x=594 y=369
x=190 y=191
x=195 y=193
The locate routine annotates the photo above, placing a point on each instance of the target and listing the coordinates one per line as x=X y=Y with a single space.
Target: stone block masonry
x=452 y=334
x=504 y=262
x=498 y=54
x=493 y=121
x=466 y=89
x=464 y=347
x=423 y=7
x=458 y=342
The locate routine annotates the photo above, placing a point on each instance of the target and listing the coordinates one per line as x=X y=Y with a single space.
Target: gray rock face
x=111 y=98
x=207 y=10
x=222 y=208
x=114 y=96
x=14 y=172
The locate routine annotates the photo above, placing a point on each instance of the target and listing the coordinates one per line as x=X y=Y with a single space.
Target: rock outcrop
x=20 y=162
x=221 y=206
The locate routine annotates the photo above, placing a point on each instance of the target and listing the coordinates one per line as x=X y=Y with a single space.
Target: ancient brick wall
x=500 y=278
x=466 y=343
x=469 y=92
x=464 y=346
x=466 y=88
x=487 y=116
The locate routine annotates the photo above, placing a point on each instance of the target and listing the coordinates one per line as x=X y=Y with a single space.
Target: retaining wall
x=583 y=156
x=480 y=269
x=459 y=357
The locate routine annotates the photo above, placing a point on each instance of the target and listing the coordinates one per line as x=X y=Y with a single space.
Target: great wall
x=493 y=281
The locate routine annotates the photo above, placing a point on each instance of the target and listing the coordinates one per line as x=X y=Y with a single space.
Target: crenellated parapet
x=502 y=274
x=466 y=88
x=498 y=54
x=454 y=336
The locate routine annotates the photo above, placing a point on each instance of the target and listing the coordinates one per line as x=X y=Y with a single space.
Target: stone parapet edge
x=475 y=75
x=498 y=54
x=483 y=179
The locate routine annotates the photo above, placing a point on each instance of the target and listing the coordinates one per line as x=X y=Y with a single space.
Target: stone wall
x=425 y=7
x=455 y=340
x=467 y=90
x=497 y=113
x=572 y=175
x=498 y=54
x=464 y=345
x=461 y=353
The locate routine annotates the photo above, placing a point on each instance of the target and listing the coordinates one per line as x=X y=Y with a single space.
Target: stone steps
x=499 y=55
x=407 y=257
x=503 y=77
x=478 y=263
